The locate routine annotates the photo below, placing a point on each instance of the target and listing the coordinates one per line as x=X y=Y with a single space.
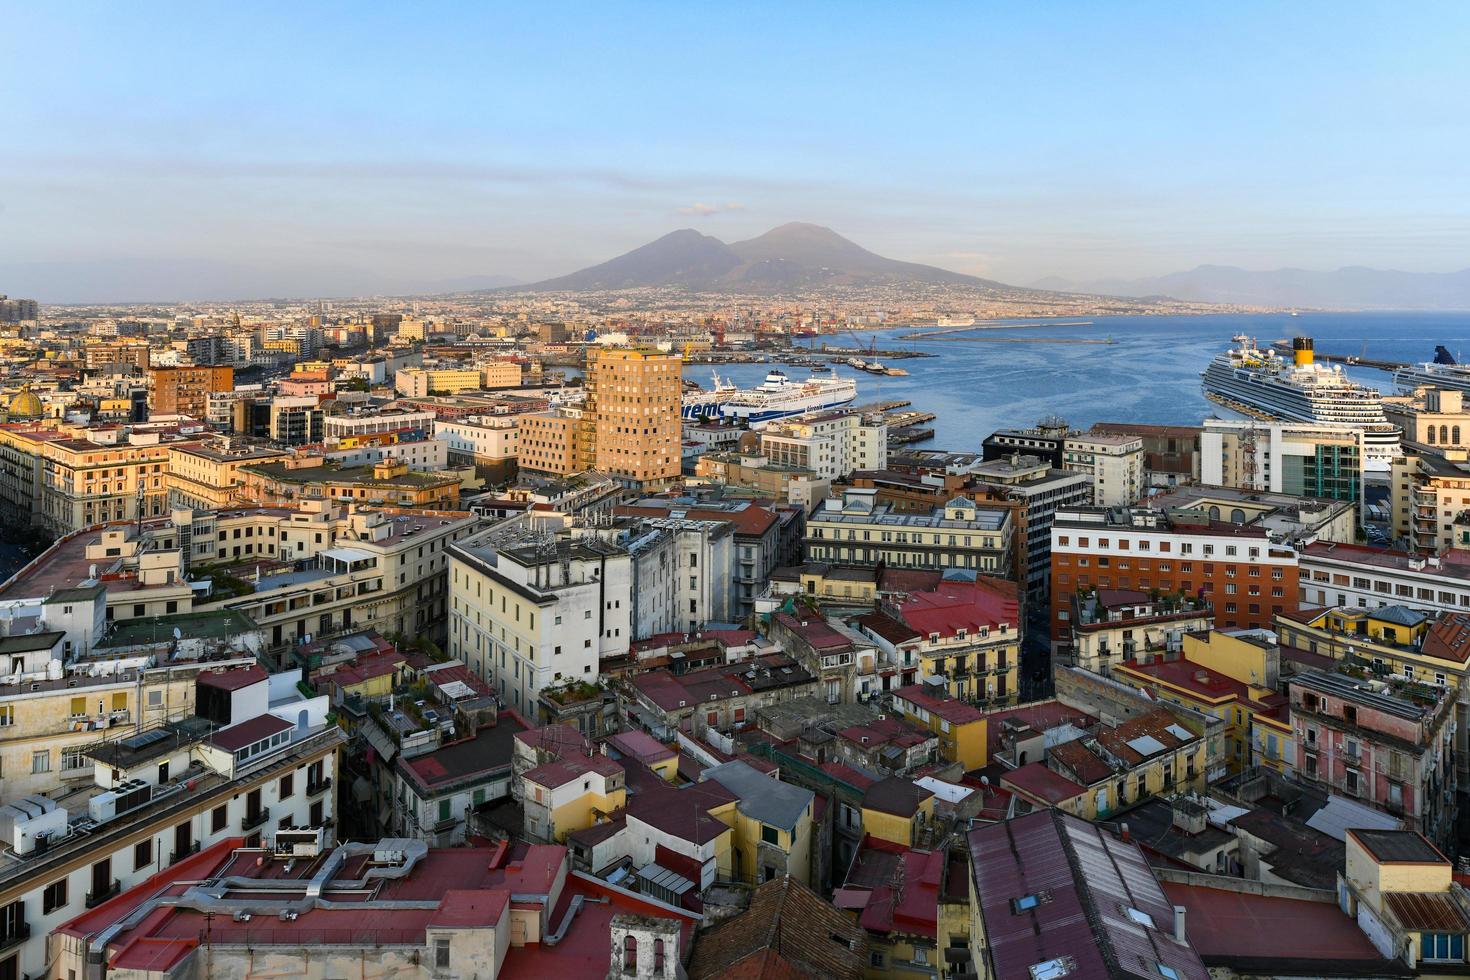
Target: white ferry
x=778 y=397
x=1262 y=384
x=1442 y=372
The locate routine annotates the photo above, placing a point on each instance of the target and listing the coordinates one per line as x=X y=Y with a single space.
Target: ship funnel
x=1303 y=348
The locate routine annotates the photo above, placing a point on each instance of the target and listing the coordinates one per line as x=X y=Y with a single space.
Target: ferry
x=778 y=397
x=1442 y=372
x=1261 y=384
x=955 y=321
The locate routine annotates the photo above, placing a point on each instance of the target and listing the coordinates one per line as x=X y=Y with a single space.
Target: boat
x=894 y=372
x=1258 y=383
x=820 y=368
x=955 y=321
x=858 y=363
x=874 y=367
x=1442 y=372
x=778 y=397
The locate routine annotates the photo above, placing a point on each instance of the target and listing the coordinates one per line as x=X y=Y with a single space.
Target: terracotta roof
x=1449 y=638
x=249 y=732
x=788 y=931
x=1038 y=782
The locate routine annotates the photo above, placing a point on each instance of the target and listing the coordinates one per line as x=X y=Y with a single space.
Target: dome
x=26 y=405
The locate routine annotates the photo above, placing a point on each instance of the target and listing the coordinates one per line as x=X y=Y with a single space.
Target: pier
x=942 y=333
x=1026 y=340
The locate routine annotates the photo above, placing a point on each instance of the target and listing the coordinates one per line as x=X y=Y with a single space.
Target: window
x=1441 y=946
x=1139 y=916
x=1052 y=969
x=54 y=897
x=72 y=759
x=1166 y=971
x=142 y=854
x=443 y=809
x=288 y=786
x=218 y=817
x=41 y=761
x=770 y=835
x=630 y=954
x=441 y=954
x=7 y=715
x=1026 y=903
x=875 y=958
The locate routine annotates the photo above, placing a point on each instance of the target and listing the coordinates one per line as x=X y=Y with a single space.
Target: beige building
x=86 y=481
x=831 y=444
x=420 y=382
x=1115 y=463
x=631 y=424
x=205 y=476
x=1434 y=417
x=1283 y=457
x=549 y=442
x=857 y=530
x=1429 y=494
x=500 y=374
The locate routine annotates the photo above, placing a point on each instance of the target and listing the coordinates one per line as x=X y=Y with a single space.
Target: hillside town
x=468 y=638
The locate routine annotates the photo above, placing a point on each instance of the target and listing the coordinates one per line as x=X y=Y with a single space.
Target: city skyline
x=191 y=154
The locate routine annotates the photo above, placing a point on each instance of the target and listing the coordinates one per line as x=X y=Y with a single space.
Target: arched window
x=1455 y=435
x=1214 y=513
x=1430 y=433
x=658 y=956
x=1237 y=516
x=1444 y=434
x=630 y=954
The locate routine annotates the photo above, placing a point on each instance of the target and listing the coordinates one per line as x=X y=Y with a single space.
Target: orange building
x=186 y=390
x=1236 y=567
x=632 y=427
x=546 y=442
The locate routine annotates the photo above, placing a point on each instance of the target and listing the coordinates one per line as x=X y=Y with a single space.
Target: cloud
x=702 y=210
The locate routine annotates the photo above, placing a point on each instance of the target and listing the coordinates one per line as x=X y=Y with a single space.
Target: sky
x=159 y=151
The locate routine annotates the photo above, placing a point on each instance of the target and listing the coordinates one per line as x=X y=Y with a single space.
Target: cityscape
x=745 y=603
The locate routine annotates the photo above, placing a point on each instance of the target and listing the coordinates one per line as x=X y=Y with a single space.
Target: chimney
x=1179 y=925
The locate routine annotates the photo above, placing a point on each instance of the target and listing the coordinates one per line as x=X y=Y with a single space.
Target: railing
x=177 y=856
x=252 y=820
x=321 y=786
x=95 y=899
x=15 y=936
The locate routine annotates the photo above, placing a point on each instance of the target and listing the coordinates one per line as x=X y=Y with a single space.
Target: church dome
x=26 y=404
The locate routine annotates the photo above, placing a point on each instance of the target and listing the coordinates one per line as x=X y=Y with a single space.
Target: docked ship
x=1442 y=372
x=955 y=321
x=1261 y=384
x=778 y=397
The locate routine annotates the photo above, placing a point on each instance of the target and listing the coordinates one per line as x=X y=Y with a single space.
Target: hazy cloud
x=701 y=210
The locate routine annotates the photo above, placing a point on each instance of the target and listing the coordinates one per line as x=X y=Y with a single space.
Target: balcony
x=177 y=856
x=317 y=788
x=15 y=936
x=252 y=820
x=95 y=899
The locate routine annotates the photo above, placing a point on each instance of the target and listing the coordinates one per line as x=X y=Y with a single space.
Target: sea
x=1150 y=372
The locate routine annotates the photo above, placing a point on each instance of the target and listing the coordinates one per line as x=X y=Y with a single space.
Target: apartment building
x=1247 y=577
x=107 y=476
x=1431 y=417
x=1114 y=462
x=205 y=475
x=530 y=611
x=831 y=444
x=1040 y=492
x=1429 y=498
x=968 y=636
x=632 y=425
x=857 y=530
x=1283 y=457
x=1230 y=676
x=419 y=382
x=1389 y=745
x=550 y=442
x=340 y=427
x=186 y=390
x=491 y=440
x=683 y=574
x=1334 y=574
x=154 y=799
x=389 y=482
x=1109 y=626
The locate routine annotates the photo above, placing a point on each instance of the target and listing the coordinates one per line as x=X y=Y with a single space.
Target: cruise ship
x=1261 y=384
x=778 y=397
x=1442 y=372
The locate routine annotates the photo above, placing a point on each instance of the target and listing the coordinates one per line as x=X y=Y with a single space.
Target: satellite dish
x=177 y=635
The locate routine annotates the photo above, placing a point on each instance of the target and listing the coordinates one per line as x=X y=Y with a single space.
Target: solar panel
x=145 y=739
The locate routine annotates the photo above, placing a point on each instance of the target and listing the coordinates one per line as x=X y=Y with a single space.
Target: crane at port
x=872 y=341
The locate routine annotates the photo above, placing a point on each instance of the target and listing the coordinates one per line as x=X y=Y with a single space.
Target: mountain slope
x=792 y=256
x=1349 y=287
x=680 y=258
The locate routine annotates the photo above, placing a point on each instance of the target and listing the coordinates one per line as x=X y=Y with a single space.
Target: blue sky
x=313 y=147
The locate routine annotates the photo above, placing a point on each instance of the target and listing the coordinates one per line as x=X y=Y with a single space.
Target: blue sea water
x=1149 y=374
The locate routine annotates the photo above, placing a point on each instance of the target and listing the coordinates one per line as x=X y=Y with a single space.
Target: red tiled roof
x=953 y=606
x=238 y=736
x=1038 y=782
x=1449 y=638
x=232 y=680
x=952 y=710
x=1227 y=925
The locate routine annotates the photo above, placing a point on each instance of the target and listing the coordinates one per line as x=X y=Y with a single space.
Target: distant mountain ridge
x=1351 y=287
x=792 y=256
